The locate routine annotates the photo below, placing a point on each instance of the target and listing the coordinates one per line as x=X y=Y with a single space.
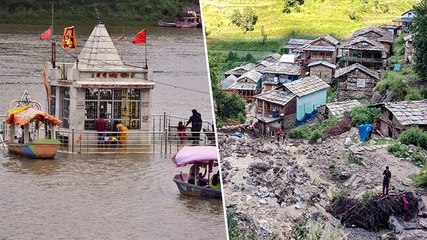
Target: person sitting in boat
x=215 y=181
x=196 y=175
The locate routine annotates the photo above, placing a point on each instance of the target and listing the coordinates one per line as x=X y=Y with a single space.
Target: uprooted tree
x=245 y=20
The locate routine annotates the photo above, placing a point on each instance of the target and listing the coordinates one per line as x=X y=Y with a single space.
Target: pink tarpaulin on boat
x=200 y=154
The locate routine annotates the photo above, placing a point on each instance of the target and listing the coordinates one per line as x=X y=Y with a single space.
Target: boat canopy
x=25 y=114
x=198 y=154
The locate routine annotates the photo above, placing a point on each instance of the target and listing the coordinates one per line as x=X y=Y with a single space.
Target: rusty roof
x=345 y=70
x=306 y=86
x=409 y=112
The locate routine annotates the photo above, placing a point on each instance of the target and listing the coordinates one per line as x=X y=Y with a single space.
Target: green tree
x=245 y=20
x=419 y=30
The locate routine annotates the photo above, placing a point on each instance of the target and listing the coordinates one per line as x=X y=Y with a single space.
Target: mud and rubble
x=277 y=188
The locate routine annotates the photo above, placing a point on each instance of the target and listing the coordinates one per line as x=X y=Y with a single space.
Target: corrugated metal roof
x=385 y=36
x=306 y=86
x=409 y=112
x=326 y=63
x=284 y=68
x=277 y=96
x=342 y=71
x=337 y=109
x=99 y=51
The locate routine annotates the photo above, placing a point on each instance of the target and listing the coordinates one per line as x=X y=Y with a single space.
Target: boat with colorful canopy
x=26 y=113
x=197 y=185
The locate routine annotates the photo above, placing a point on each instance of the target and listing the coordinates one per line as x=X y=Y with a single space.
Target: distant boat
x=189 y=19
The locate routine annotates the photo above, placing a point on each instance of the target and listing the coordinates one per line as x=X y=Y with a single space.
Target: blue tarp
x=238 y=134
x=307 y=117
x=396 y=67
x=365 y=131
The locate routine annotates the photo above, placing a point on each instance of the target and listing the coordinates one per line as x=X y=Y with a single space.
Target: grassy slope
x=315 y=18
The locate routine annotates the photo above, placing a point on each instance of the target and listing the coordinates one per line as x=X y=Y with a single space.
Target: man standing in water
x=196 y=125
x=101 y=127
x=386 y=180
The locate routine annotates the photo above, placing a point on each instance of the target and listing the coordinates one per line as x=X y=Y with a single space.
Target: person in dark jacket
x=196 y=125
x=386 y=180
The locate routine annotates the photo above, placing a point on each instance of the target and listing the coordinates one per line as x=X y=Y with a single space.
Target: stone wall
x=323 y=72
x=348 y=86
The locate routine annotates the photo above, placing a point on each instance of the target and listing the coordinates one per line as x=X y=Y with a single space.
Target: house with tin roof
x=397 y=116
x=355 y=81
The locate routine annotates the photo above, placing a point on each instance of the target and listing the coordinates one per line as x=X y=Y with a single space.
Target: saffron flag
x=141 y=37
x=69 y=40
x=46 y=34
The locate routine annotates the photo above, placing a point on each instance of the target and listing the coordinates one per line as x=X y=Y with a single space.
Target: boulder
x=395 y=225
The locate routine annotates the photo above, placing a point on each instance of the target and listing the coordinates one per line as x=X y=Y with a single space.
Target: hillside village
x=324 y=187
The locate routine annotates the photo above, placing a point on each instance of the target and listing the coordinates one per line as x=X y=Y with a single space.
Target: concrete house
x=362 y=50
x=378 y=34
x=323 y=69
x=323 y=48
x=355 y=81
x=398 y=116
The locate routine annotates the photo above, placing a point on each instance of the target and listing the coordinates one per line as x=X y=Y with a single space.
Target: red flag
x=141 y=37
x=46 y=34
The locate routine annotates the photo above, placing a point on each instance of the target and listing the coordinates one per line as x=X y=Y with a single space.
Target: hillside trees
x=289 y=4
x=420 y=39
x=245 y=20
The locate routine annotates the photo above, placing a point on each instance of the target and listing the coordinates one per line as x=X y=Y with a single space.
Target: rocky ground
x=283 y=190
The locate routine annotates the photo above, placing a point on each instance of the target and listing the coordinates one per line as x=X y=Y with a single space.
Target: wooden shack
x=378 y=34
x=397 y=116
x=323 y=48
x=323 y=69
x=356 y=81
x=245 y=86
x=362 y=50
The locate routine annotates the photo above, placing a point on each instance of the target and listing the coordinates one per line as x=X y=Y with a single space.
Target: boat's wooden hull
x=193 y=190
x=43 y=149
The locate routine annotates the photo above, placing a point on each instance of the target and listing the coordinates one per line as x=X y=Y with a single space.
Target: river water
x=123 y=196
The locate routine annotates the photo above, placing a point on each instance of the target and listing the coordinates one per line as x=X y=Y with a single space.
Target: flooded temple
x=98 y=83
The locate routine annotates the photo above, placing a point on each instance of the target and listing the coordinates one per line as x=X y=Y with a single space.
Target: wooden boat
x=25 y=113
x=196 y=156
x=39 y=148
x=189 y=19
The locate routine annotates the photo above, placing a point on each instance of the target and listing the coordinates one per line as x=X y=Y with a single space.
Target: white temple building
x=99 y=83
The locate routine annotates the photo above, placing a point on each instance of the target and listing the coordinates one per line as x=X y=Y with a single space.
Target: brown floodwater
x=115 y=196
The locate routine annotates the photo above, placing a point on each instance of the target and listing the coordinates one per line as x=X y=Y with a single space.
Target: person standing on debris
x=279 y=134
x=386 y=180
x=196 y=125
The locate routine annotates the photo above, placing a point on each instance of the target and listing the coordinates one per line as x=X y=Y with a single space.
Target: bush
x=414 y=136
x=316 y=134
x=300 y=132
x=414 y=94
x=398 y=150
x=363 y=114
x=366 y=198
x=420 y=179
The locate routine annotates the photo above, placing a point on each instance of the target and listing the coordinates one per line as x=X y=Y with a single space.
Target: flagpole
x=53 y=43
x=146 y=65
